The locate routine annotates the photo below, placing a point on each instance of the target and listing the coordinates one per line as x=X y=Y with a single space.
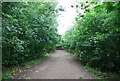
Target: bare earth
x=59 y=65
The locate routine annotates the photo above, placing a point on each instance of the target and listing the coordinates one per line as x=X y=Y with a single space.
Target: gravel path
x=59 y=65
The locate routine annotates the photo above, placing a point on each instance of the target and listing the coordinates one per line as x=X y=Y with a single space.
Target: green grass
x=70 y=53
x=102 y=74
x=98 y=72
x=8 y=74
x=31 y=63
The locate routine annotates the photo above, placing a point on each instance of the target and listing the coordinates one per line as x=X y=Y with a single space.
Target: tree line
x=29 y=31
x=95 y=37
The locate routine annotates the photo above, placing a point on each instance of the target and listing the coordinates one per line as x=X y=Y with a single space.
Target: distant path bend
x=59 y=65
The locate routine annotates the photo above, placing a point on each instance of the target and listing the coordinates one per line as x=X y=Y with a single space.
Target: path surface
x=59 y=65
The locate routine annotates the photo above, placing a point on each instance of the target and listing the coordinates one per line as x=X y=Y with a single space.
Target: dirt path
x=59 y=65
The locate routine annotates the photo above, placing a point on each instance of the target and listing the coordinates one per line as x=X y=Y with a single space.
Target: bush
x=95 y=37
x=29 y=31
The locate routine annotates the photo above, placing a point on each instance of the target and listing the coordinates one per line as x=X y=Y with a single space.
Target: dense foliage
x=29 y=31
x=95 y=37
